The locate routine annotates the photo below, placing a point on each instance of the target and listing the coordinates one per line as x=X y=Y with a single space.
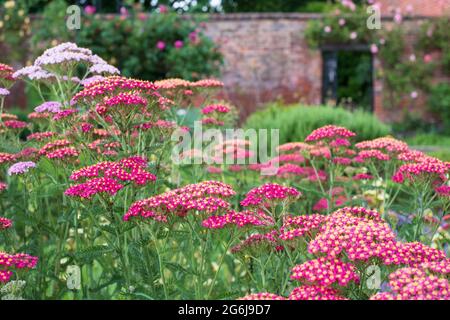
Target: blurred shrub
x=429 y=139
x=296 y=122
x=439 y=103
x=146 y=46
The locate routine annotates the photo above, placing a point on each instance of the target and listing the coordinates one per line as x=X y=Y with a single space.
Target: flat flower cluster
x=59 y=149
x=109 y=177
x=426 y=170
x=119 y=101
x=354 y=236
x=59 y=60
x=111 y=86
x=5 y=223
x=207 y=196
x=329 y=132
x=415 y=284
x=387 y=144
x=239 y=219
x=14 y=261
x=301 y=226
x=268 y=194
x=21 y=167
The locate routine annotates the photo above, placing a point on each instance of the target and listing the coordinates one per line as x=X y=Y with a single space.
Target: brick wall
x=266 y=59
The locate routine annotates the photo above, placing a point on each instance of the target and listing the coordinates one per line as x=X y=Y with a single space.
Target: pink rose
x=163 y=9
x=89 y=10
x=178 y=44
x=374 y=49
x=161 y=45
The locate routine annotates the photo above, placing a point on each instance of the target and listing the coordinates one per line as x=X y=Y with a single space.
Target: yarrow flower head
x=262 y=296
x=35 y=73
x=6 y=77
x=215 y=108
x=268 y=194
x=120 y=102
x=4 y=92
x=358 y=232
x=6 y=157
x=108 y=177
x=21 y=168
x=443 y=191
x=422 y=170
x=258 y=242
x=14 y=124
x=371 y=154
x=49 y=106
x=238 y=219
x=5 y=223
x=207 y=196
x=386 y=144
x=415 y=284
x=14 y=261
x=329 y=132
x=325 y=271
x=314 y=292
x=301 y=226
x=40 y=136
x=63 y=114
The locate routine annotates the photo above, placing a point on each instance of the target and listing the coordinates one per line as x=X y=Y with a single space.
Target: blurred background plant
x=148 y=46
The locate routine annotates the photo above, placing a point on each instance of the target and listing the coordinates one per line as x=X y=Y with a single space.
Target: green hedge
x=296 y=122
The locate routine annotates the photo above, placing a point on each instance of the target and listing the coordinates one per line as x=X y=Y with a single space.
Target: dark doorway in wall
x=347 y=77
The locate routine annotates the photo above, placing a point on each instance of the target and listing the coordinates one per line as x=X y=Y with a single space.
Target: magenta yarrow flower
x=5 y=223
x=207 y=196
x=314 y=292
x=325 y=271
x=15 y=261
x=443 y=190
x=238 y=219
x=215 y=108
x=385 y=143
x=262 y=296
x=429 y=169
x=269 y=192
x=15 y=124
x=329 y=132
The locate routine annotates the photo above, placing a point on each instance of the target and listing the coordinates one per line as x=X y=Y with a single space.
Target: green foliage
x=429 y=139
x=296 y=122
x=434 y=36
x=354 y=80
x=275 y=5
x=439 y=102
x=131 y=43
x=14 y=28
